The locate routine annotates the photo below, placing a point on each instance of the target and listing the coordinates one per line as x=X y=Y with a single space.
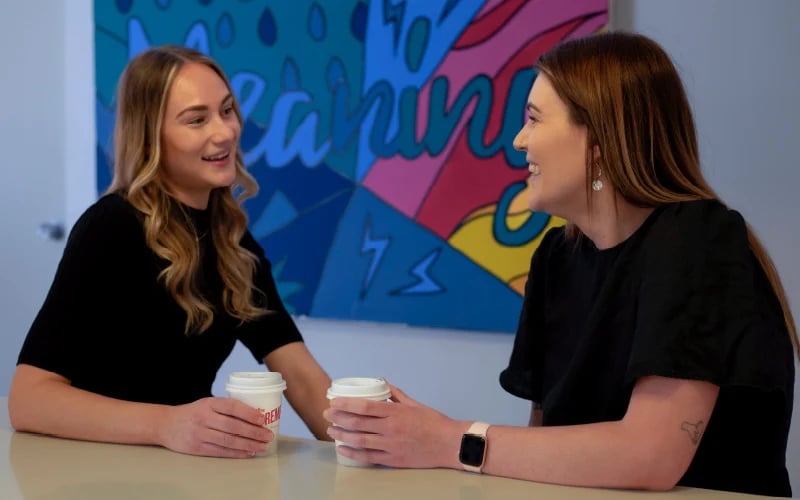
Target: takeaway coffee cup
x=262 y=390
x=357 y=387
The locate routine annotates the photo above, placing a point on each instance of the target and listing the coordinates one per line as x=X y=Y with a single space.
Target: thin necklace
x=190 y=221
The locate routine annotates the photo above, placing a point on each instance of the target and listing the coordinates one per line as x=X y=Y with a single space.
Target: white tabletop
x=42 y=467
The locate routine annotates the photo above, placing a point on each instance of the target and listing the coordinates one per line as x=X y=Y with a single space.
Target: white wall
x=47 y=136
x=80 y=133
x=32 y=141
x=737 y=57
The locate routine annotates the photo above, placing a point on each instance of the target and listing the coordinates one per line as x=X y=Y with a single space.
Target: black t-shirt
x=683 y=297
x=110 y=327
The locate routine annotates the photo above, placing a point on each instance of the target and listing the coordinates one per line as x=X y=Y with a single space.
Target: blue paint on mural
x=414 y=267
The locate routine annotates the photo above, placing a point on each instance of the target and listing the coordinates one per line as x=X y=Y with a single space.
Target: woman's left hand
x=397 y=433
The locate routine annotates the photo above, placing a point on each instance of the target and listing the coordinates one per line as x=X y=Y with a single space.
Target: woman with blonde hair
x=158 y=280
x=655 y=341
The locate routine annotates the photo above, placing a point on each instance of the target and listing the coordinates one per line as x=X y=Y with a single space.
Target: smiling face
x=555 y=150
x=199 y=135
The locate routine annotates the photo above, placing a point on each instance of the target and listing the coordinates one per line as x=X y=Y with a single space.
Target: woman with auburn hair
x=158 y=280
x=655 y=340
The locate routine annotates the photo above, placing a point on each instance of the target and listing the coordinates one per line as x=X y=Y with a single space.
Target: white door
x=46 y=144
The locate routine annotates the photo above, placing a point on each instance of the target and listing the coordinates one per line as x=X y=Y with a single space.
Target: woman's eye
x=227 y=110
x=196 y=121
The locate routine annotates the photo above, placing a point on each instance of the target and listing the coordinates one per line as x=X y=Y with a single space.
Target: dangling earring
x=597 y=184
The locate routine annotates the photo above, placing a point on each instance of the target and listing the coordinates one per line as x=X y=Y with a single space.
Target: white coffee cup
x=262 y=390
x=375 y=389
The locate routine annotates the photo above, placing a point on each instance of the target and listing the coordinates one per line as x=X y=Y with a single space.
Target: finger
x=360 y=423
x=362 y=406
x=233 y=441
x=232 y=425
x=213 y=450
x=238 y=409
x=399 y=396
x=358 y=439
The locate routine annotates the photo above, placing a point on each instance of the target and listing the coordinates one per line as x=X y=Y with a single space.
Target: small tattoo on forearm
x=695 y=430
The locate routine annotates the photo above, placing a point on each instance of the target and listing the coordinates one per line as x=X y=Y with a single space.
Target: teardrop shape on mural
x=316 y=22
x=225 y=30
x=267 y=29
x=358 y=21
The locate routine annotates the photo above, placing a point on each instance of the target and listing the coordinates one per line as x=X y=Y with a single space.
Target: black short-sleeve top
x=110 y=327
x=683 y=297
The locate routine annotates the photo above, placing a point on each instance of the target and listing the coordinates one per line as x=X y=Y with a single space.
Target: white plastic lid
x=359 y=387
x=258 y=381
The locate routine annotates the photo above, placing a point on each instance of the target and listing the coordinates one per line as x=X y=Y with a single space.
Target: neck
x=191 y=198
x=611 y=221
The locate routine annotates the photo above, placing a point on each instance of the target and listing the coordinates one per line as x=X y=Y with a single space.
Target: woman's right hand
x=214 y=427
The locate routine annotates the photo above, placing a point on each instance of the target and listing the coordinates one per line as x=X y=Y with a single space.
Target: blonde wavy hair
x=141 y=101
x=625 y=90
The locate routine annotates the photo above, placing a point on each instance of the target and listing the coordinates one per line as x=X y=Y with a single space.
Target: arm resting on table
x=650 y=448
x=44 y=402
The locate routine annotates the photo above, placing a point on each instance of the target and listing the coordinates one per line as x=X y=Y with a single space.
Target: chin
x=535 y=204
x=226 y=180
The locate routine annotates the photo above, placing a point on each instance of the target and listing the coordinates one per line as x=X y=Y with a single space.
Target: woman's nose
x=520 y=141
x=224 y=130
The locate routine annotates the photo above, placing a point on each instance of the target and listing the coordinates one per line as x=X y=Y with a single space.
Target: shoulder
x=701 y=224
x=109 y=218
x=109 y=209
x=698 y=219
x=696 y=238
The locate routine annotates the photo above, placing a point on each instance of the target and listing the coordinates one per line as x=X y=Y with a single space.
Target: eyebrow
x=203 y=107
x=532 y=107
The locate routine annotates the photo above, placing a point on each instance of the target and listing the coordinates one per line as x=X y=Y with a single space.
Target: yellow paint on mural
x=510 y=264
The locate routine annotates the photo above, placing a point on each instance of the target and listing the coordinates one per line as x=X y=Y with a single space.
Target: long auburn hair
x=141 y=102
x=625 y=90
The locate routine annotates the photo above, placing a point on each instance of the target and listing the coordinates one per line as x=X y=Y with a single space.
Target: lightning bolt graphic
x=425 y=284
x=378 y=247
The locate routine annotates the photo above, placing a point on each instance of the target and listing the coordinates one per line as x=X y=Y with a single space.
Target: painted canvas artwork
x=380 y=133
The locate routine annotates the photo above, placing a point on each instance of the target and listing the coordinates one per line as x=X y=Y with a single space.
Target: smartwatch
x=473 y=447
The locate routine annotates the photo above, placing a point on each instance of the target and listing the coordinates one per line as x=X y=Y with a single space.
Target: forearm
x=306 y=384
x=310 y=407
x=56 y=408
x=309 y=401
x=649 y=448
x=597 y=455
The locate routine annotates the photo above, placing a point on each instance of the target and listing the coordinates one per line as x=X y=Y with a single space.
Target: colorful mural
x=380 y=133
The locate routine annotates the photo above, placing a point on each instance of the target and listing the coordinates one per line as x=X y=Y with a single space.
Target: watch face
x=472 y=450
